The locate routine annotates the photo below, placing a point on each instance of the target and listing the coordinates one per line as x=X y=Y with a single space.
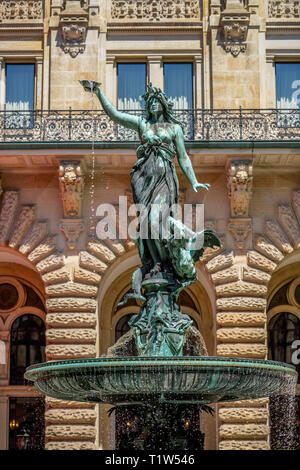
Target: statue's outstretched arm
x=185 y=162
x=124 y=119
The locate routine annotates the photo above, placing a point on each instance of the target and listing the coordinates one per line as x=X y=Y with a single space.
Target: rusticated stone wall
x=70 y=319
x=241 y=318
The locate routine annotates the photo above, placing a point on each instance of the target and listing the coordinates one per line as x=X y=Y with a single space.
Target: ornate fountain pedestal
x=160 y=326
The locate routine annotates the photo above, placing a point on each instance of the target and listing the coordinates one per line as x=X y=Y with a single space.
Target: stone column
x=155 y=70
x=111 y=84
x=241 y=319
x=39 y=82
x=198 y=82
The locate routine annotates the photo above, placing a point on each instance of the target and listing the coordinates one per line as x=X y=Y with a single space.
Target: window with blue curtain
x=288 y=85
x=178 y=84
x=19 y=94
x=131 y=86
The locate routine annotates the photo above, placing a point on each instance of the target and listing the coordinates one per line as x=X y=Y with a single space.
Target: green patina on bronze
x=167 y=248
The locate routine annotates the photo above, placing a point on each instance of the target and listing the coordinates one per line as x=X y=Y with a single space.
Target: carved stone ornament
x=21 y=10
x=71 y=187
x=240 y=229
x=154 y=10
x=72 y=228
x=234 y=27
x=239 y=184
x=73 y=28
x=284 y=9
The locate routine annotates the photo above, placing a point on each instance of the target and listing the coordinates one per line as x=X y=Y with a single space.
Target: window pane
x=19 y=86
x=288 y=85
x=27 y=346
x=179 y=84
x=131 y=85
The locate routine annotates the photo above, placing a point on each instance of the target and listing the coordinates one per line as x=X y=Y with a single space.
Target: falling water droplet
x=92 y=221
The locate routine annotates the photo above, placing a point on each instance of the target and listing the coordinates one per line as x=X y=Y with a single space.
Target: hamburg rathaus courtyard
x=149 y=226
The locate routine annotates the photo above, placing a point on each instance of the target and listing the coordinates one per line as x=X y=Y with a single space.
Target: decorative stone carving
x=239 y=431
x=240 y=229
x=284 y=9
x=255 y=275
x=101 y=251
x=71 y=319
x=234 y=26
x=257 y=402
x=72 y=228
x=243 y=415
x=277 y=235
x=90 y=262
x=154 y=10
x=242 y=319
x=241 y=335
x=87 y=277
x=37 y=233
x=259 y=261
x=70 y=445
x=52 y=262
x=288 y=220
x=296 y=200
x=9 y=207
x=76 y=416
x=220 y=262
x=71 y=186
x=71 y=304
x=54 y=277
x=70 y=432
x=44 y=249
x=73 y=28
x=24 y=221
x=244 y=445
x=239 y=185
x=268 y=249
x=227 y=275
x=252 y=350
x=241 y=303
x=55 y=403
x=71 y=335
x=21 y=10
x=241 y=288
x=71 y=289
x=69 y=351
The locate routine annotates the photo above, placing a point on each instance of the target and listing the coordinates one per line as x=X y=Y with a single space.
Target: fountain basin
x=129 y=380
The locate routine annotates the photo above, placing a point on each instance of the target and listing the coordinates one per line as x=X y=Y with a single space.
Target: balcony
x=200 y=125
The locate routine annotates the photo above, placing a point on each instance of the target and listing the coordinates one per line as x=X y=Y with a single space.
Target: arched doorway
x=196 y=301
x=283 y=342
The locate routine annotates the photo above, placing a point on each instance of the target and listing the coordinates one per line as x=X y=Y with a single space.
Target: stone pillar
x=198 y=92
x=155 y=71
x=111 y=84
x=241 y=319
x=39 y=82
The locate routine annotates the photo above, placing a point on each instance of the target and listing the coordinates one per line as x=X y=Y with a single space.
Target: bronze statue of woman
x=154 y=185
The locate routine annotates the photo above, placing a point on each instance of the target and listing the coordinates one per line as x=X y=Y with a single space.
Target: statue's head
x=157 y=101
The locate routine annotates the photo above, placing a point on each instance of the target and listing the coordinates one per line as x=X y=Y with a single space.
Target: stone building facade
x=59 y=165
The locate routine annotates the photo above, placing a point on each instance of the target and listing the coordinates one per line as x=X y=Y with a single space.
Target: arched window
x=283 y=337
x=27 y=346
x=284 y=329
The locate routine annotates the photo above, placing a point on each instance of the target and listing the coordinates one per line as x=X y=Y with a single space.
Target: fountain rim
x=140 y=361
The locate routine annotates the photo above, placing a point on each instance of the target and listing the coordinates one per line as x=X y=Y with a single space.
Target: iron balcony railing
x=200 y=125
